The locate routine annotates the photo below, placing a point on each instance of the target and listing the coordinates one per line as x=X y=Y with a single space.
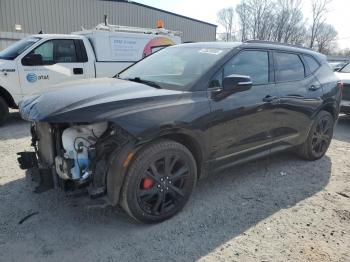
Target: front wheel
x=159 y=182
x=4 y=111
x=319 y=138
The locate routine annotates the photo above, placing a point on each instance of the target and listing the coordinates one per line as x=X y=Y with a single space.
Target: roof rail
x=275 y=43
x=120 y=28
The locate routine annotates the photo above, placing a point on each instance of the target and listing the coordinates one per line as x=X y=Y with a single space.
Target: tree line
x=280 y=21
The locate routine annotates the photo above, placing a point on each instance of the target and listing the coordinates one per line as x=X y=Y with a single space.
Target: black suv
x=144 y=137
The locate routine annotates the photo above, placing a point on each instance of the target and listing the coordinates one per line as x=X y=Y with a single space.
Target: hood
x=92 y=100
x=344 y=77
x=7 y=65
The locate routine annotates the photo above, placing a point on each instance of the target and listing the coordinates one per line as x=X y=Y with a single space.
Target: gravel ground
x=276 y=209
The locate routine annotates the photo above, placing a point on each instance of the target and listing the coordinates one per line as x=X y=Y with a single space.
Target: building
x=19 y=18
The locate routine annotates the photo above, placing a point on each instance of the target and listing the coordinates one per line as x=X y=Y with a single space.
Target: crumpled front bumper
x=41 y=175
x=40 y=163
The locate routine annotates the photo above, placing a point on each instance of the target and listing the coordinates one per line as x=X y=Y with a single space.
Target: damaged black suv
x=144 y=137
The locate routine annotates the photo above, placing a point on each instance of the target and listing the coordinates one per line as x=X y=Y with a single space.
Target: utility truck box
x=38 y=62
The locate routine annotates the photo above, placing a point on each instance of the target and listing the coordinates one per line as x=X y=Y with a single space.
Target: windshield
x=175 y=67
x=18 y=48
x=346 y=69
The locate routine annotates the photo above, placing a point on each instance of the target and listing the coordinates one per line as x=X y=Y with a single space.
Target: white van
x=37 y=62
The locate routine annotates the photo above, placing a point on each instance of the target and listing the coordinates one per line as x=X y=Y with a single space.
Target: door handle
x=314 y=87
x=270 y=99
x=78 y=71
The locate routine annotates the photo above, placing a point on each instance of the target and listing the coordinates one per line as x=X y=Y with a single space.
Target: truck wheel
x=4 y=111
x=319 y=138
x=159 y=182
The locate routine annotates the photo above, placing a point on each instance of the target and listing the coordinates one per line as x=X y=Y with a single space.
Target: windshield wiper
x=143 y=81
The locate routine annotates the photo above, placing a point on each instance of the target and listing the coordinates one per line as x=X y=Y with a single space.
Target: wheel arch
x=191 y=144
x=330 y=108
x=117 y=171
x=7 y=97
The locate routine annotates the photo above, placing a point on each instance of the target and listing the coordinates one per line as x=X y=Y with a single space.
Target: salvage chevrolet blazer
x=144 y=137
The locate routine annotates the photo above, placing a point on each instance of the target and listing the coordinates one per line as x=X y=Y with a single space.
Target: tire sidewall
x=137 y=169
x=321 y=115
x=4 y=111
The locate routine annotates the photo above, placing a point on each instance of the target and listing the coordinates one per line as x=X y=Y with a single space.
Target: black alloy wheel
x=322 y=135
x=159 y=182
x=163 y=184
x=319 y=137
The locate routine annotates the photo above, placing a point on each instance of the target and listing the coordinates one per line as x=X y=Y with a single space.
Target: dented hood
x=93 y=100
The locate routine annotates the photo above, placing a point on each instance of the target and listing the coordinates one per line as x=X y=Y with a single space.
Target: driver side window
x=56 y=51
x=250 y=63
x=46 y=52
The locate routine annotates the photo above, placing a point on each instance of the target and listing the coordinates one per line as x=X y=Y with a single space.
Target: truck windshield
x=345 y=69
x=18 y=48
x=177 y=67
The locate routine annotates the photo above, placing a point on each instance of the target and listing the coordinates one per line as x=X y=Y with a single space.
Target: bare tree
x=319 y=10
x=225 y=18
x=289 y=22
x=243 y=13
x=262 y=19
x=325 y=38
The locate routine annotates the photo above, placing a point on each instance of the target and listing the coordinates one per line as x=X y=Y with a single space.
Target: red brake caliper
x=147 y=183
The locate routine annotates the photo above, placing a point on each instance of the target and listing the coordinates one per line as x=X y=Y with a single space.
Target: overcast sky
x=338 y=16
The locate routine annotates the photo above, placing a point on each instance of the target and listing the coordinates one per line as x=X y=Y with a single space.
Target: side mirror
x=236 y=83
x=32 y=60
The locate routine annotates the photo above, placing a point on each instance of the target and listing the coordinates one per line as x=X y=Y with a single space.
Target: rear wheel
x=159 y=182
x=319 y=138
x=4 y=111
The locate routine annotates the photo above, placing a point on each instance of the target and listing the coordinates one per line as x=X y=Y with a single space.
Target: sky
x=339 y=11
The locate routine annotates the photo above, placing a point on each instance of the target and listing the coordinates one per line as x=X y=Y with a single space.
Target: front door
x=60 y=62
x=241 y=122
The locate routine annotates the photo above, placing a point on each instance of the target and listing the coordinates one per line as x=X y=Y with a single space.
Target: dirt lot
x=275 y=209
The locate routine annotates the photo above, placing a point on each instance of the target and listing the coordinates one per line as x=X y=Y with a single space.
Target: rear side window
x=65 y=51
x=250 y=63
x=289 y=67
x=312 y=63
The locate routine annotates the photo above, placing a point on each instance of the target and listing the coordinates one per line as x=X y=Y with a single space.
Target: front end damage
x=75 y=156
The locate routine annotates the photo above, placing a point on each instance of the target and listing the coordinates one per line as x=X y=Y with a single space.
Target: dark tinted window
x=289 y=67
x=312 y=63
x=217 y=80
x=65 y=51
x=250 y=63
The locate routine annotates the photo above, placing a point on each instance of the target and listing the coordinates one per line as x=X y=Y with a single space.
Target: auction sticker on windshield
x=210 y=51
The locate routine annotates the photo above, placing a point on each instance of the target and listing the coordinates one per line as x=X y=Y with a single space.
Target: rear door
x=300 y=95
x=62 y=60
x=242 y=121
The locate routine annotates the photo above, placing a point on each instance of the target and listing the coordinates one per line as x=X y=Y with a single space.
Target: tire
x=319 y=138
x=150 y=193
x=4 y=111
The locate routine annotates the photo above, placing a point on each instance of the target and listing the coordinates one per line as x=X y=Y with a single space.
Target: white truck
x=37 y=62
